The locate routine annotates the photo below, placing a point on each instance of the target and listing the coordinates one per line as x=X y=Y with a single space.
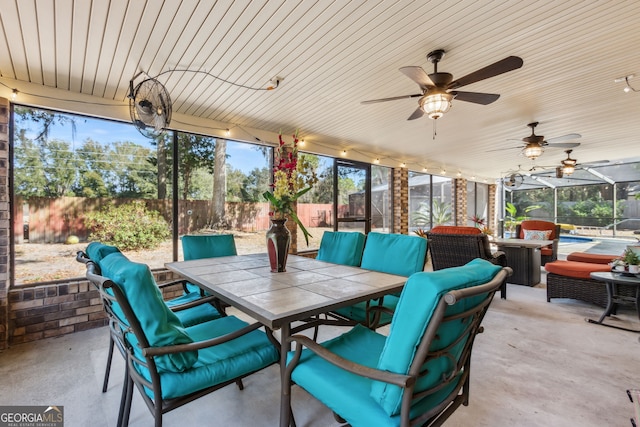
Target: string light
x=14 y=94
x=424 y=169
x=228 y=132
x=344 y=153
x=403 y=165
x=376 y=161
x=301 y=143
x=459 y=174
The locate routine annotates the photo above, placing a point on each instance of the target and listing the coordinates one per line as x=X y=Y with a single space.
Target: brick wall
x=4 y=221
x=56 y=309
x=460 y=201
x=491 y=214
x=401 y=200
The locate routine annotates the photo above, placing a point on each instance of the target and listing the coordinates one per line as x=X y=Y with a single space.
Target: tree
x=196 y=152
x=219 y=183
x=95 y=171
x=29 y=177
x=134 y=175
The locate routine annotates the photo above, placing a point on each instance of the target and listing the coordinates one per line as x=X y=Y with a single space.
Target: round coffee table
x=612 y=280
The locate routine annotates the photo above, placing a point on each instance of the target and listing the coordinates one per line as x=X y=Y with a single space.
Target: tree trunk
x=219 y=183
x=162 y=168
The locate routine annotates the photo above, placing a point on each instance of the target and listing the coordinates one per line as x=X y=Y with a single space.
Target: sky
x=241 y=156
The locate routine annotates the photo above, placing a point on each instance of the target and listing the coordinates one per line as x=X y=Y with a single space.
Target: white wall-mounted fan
x=149 y=107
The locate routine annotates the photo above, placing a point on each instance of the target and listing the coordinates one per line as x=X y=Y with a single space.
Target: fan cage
x=150 y=107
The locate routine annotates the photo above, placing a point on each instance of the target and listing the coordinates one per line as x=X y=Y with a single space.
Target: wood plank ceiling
x=335 y=54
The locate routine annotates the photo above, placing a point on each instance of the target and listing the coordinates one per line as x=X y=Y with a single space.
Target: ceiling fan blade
x=393 y=98
x=476 y=97
x=564 y=138
x=562 y=145
x=418 y=75
x=416 y=114
x=505 y=65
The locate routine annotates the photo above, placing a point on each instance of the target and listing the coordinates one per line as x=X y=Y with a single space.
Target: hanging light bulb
x=436 y=103
x=533 y=150
x=14 y=94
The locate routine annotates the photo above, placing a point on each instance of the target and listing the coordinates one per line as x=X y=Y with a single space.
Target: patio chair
x=341 y=247
x=199 y=246
x=527 y=230
x=452 y=246
x=170 y=364
x=192 y=308
x=398 y=254
x=419 y=373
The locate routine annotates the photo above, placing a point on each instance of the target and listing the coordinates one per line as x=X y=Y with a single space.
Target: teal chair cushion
x=97 y=251
x=194 y=315
x=215 y=365
x=345 y=393
x=341 y=247
x=208 y=246
x=160 y=325
x=418 y=301
x=394 y=253
x=358 y=312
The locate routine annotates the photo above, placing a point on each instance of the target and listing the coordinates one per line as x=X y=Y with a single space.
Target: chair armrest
x=499 y=258
x=179 y=348
x=364 y=371
x=210 y=299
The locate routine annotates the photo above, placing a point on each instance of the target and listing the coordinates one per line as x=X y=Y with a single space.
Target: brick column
x=460 y=201
x=401 y=200
x=492 y=218
x=5 y=222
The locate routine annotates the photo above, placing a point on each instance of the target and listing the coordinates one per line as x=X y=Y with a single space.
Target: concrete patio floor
x=536 y=364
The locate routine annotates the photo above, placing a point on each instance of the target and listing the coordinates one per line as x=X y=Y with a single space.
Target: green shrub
x=130 y=226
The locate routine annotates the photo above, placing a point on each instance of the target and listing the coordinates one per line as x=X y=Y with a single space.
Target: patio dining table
x=308 y=288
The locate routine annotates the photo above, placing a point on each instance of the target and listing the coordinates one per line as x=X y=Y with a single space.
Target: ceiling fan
x=569 y=165
x=536 y=144
x=439 y=89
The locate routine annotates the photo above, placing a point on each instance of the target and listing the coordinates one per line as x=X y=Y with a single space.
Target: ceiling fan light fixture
x=436 y=104
x=533 y=150
x=568 y=169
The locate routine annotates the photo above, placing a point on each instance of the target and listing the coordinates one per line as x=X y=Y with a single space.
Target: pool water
x=574 y=239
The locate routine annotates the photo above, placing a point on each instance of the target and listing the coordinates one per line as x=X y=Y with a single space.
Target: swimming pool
x=574 y=239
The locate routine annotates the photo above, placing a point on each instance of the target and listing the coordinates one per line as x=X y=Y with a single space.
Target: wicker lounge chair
x=451 y=246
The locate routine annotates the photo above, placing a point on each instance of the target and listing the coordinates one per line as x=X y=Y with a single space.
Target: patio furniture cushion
x=341 y=247
x=537 y=234
x=217 y=364
x=97 y=251
x=161 y=326
x=548 y=253
x=579 y=270
x=194 y=315
x=358 y=312
x=591 y=258
x=418 y=301
x=208 y=246
x=394 y=253
x=454 y=229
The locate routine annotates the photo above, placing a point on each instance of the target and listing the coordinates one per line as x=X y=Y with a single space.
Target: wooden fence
x=53 y=220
